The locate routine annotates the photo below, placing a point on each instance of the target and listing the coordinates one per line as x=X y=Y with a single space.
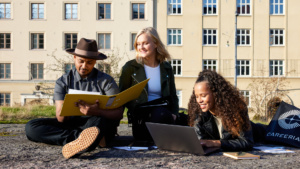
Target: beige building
x=34 y=35
x=201 y=34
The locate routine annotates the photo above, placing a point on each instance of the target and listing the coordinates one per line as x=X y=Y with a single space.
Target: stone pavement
x=18 y=152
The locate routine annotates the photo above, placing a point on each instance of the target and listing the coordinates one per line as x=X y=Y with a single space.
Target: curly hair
x=229 y=103
x=161 y=52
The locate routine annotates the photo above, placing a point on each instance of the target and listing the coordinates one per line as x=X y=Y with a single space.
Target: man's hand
x=88 y=109
x=211 y=143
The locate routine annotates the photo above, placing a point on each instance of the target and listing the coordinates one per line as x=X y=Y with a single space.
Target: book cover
x=241 y=155
x=105 y=102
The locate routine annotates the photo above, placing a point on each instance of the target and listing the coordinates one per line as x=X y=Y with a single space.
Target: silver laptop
x=177 y=138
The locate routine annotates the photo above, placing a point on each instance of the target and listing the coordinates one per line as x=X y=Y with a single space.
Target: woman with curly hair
x=219 y=114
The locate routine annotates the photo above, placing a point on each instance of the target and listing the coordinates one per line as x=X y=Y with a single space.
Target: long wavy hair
x=161 y=52
x=229 y=103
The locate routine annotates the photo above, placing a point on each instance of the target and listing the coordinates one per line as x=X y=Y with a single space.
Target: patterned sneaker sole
x=84 y=141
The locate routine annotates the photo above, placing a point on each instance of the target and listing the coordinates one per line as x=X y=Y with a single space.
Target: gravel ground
x=18 y=152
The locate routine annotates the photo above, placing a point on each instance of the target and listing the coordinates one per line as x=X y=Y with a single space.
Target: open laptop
x=177 y=138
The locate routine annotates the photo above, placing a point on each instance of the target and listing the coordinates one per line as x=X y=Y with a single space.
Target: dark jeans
x=50 y=131
x=159 y=114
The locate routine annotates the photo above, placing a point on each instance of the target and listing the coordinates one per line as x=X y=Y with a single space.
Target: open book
x=241 y=155
x=105 y=102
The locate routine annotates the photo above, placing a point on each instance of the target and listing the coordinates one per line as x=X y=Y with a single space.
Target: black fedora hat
x=87 y=48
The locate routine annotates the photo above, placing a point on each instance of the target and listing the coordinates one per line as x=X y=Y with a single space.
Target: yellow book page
x=105 y=102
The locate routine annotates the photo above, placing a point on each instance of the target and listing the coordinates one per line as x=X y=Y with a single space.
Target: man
x=81 y=133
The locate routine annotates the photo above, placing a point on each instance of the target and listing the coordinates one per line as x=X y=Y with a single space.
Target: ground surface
x=17 y=152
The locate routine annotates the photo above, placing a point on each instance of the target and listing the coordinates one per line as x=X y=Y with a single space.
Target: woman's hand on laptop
x=211 y=143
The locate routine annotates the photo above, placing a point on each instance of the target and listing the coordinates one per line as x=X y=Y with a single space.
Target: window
x=243 y=37
x=71 y=11
x=209 y=37
x=243 y=7
x=5 y=11
x=174 y=7
x=37 y=11
x=104 y=11
x=209 y=7
x=174 y=37
x=104 y=41
x=243 y=67
x=276 y=37
x=4 y=99
x=210 y=64
x=104 y=67
x=276 y=7
x=276 y=67
x=4 y=70
x=70 y=40
x=176 y=66
x=133 y=35
x=5 y=40
x=179 y=95
x=138 y=11
x=246 y=94
x=37 y=41
x=69 y=66
x=37 y=71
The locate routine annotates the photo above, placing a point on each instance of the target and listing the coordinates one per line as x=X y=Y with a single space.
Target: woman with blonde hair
x=150 y=62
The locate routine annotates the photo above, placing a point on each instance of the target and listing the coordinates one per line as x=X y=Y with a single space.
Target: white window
x=276 y=37
x=174 y=7
x=37 y=71
x=71 y=11
x=243 y=67
x=5 y=39
x=174 y=37
x=247 y=96
x=37 y=11
x=70 y=40
x=210 y=65
x=5 y=70
x=276 y=7
x=4 y=99
x=210 y=7
x=243 y=37
x=138 y=11
x=133 y=35
x=37 y=41
x=104 y=41
x=276 y=67
x=243 y=7
x=5 y=10
x=176 y=66
x=209 y=37
x=179 y=95
x=69 y=66
x=104 y=11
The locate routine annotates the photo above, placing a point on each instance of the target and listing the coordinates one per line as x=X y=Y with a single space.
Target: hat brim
x=100 y=56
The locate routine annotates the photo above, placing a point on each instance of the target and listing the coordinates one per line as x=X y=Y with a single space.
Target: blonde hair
x=161 y=52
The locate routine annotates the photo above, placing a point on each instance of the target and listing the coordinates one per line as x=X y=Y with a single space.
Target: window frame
x=37 y=73
x=273 y=67
x=38 y=13
x=5 y=10
x=170 y=5
x=177 y=66
x=110 y=40
x=177 y=35
x=244 y=65
x=4 y=94
x=208 y=35
x=65 y=11
x=245 y=95
x=5 y=71
x=273 y=37
x=5 y=40
x=72 y=65
x=207 y=4
x=98 y=11
x=179 y=96
x=38 y=41
x=273 y=5
x=104 y=67
x=238 y=2
x=240 y=37
x=132 y=40
x=208 y=65
x=139 y=13
x=72 y=45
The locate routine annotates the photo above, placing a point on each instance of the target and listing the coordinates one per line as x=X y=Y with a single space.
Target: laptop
x=177 y=138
